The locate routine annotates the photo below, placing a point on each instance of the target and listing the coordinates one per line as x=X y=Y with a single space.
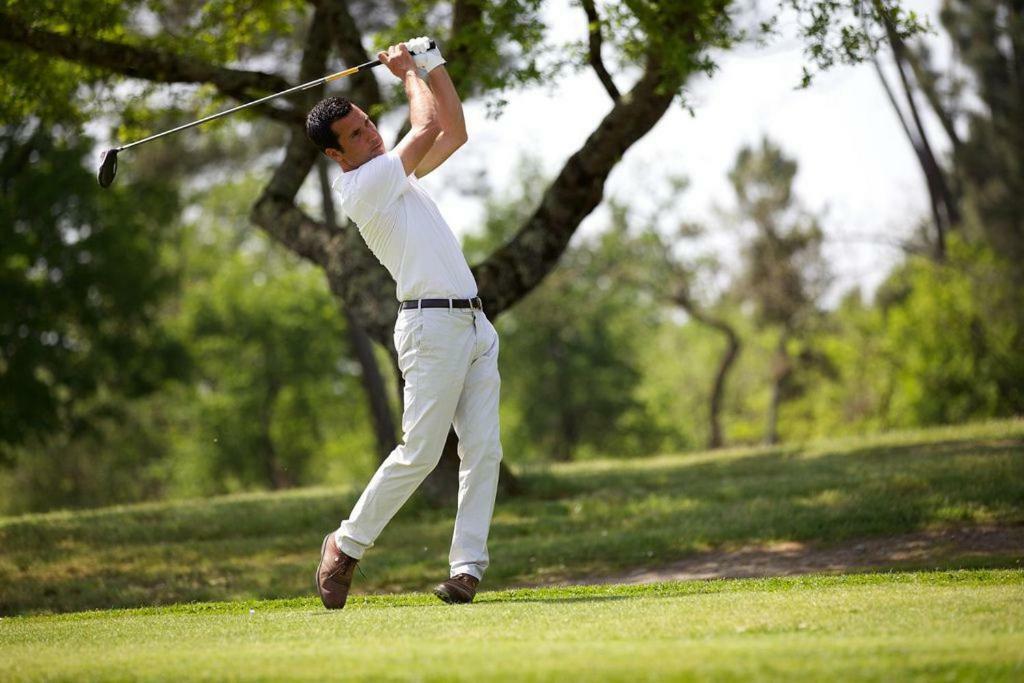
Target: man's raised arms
x=453 y=123
x=423 y=115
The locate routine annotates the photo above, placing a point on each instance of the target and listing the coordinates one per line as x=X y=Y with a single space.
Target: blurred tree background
x=163 y=338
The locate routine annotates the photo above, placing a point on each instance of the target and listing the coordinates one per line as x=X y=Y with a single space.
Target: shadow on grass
x=579 y=522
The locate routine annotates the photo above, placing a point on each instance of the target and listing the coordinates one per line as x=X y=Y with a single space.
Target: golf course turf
x=960 y=625
x=222 y=589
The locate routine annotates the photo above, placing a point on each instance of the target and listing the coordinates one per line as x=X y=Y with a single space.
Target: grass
x=574 y=520
x=961 y=625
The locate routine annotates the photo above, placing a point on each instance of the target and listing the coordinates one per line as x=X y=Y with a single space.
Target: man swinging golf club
x=447 y=348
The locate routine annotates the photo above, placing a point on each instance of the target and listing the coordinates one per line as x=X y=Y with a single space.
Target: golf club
x=108 y=162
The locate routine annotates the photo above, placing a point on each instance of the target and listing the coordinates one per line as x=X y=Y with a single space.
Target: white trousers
x=449 y=359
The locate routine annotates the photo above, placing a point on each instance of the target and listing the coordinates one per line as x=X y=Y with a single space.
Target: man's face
x=358 y=138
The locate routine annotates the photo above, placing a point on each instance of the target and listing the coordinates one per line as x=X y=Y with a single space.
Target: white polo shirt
x=405 y=231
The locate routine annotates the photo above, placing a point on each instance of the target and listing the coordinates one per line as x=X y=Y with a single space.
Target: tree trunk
x=732 y=350
x=362 y=348
x=781 y=368
x=945 y=208
x=374 y=387
x=729 y=355
x=277 y=476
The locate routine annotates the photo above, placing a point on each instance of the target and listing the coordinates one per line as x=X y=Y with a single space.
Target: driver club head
x=108 y=168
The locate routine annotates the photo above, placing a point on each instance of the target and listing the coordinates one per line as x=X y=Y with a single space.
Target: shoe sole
x=450 y=599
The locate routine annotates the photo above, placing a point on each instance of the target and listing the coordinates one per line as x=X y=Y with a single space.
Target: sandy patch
x=945 y=547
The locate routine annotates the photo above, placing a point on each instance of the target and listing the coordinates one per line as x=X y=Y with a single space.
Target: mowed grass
x=577 y=520
x=962 y=625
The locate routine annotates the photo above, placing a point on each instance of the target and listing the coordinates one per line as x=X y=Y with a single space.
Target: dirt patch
x=968 y=546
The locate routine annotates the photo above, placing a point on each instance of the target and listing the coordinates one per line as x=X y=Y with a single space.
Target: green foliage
x=570 y=350
x=940 y=344
x=959 y=353
x=848 y=31
x=83 y=282
x=119 y=457
x=276 y=393
x=570 y=360
x=35 y=86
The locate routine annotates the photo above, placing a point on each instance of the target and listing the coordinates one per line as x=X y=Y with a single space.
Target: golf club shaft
x=297 y=88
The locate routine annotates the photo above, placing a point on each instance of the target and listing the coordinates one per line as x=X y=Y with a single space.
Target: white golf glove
x=425 y=59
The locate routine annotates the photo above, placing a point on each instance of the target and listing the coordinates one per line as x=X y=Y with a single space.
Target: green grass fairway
x=576 y=520
x=964 y=625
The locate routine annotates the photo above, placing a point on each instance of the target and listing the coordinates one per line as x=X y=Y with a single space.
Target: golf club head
x=108 y=168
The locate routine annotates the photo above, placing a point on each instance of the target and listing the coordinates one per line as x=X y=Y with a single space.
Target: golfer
x=447 y=348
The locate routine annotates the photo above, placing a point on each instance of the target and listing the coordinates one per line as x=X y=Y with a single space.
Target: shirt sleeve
x=381 y=181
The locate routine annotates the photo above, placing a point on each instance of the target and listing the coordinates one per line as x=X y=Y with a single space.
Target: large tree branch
x=928 y=83
x=275 y=210
x=519 y=266
x=348 y=41
x=354 y=274
x=150 y=64
x=466 y=17
x=594 y=30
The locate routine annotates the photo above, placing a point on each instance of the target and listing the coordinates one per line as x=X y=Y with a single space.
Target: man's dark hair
x=320 y=118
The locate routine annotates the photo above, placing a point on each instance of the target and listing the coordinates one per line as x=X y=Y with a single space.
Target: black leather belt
x=475 y=302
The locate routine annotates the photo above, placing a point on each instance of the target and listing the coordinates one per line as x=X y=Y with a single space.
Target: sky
x=856 y=166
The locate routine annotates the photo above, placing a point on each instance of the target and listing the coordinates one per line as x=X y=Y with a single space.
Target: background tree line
x=156 y=343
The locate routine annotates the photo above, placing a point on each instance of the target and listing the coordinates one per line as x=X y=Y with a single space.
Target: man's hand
x=398 y=60
x=427 y=58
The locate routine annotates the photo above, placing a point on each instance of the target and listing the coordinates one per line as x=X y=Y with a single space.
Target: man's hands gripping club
x=438 y=127
x=426 y=58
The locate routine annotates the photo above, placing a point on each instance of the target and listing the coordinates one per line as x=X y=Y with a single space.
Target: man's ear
x=333 y=154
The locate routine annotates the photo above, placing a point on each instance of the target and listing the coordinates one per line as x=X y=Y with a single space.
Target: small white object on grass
x=252 y=611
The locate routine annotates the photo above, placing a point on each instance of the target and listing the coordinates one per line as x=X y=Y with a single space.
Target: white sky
x=854 y=160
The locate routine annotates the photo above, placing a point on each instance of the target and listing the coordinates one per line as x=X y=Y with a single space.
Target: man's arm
x=453 y=123
x=423 y=115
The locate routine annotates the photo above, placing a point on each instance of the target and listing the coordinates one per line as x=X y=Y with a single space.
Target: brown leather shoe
x=334 y=575
x=458 y=589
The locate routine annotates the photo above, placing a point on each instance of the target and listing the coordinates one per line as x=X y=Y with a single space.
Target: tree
x=979 y=103
x=784 y=271
x=653 y=260
x=491 y=44
x=83 y=280
x=944 y=200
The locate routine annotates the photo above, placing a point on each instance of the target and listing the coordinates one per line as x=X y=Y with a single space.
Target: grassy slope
x=951 y=626
x=575 y=520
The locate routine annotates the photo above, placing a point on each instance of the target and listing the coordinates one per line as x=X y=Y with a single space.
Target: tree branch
x=927 y=81
x=519 y=266
x=275 y=210
x=348 y=41
x=594 y=29
x=149 y=64
x=354 y=274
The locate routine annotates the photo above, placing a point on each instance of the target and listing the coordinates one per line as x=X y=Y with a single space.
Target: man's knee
x=480 y=449
x=417 y=455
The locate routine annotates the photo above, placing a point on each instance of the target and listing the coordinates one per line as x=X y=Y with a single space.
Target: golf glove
x=426 y=60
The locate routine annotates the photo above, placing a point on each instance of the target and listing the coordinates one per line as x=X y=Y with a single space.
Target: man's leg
x=433 y=360
x=476 y=423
